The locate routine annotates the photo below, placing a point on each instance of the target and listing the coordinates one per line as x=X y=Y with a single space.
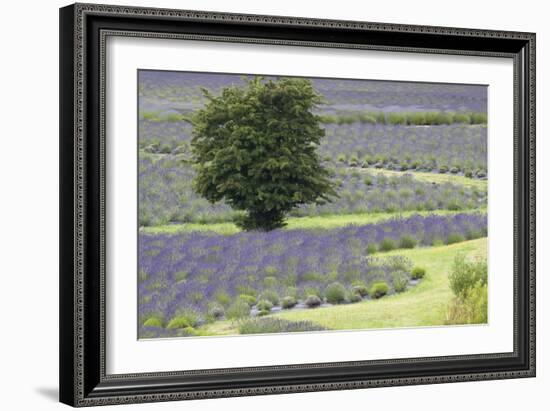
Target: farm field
x=408 y=164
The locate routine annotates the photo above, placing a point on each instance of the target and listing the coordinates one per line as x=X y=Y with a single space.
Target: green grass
x=428 y=177
x=423 y=305
x=325 y=222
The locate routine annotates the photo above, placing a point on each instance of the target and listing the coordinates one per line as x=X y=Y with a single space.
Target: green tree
x=255 y=148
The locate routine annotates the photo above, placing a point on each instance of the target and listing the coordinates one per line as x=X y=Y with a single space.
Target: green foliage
x=312 y=301
x=264 y=306
x=454 y=238
x=223 y=298
x=466 y=275
x=360 y=289
x=249 y=299
x=421 y=118
x=400 y=281
x=288 y=302
x=239 y=309
x=215 y=312
x=270 y=296
x=355 y=297
x=471 y=310
x=371 y=248
x=335 y=293
x=379 y=289
x=276 y=325
x=417 y=273
x=153 y=322
x=387 y=244
x=255 y=148
x=407 y=241
x=184 y=319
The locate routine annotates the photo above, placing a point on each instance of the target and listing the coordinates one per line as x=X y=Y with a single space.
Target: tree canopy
x=255 y=148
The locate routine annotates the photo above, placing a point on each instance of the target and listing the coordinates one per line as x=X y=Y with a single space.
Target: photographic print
x=278 y=204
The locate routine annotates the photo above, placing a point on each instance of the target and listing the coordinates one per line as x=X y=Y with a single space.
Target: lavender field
x=393 y=149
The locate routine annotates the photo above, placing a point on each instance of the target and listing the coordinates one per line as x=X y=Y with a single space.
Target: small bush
x=276 y=325
x=289 y=302
x=400 y=281
x=454 y=238
x=360 y=289
x=387 y=244
x=249 y=299
x=223 y=298
x=270 y=296
x=407 y=241
x=355 y=297
x=215 y=312
x=443 y=169
x=270 y=282
x=238 y=309
x=471 y=310
x=335 y=293
x=312 y=301
x=185 y=319
x=371 y=248
x=153 y=322
x=465 y=275
x=379 y=289
x=264 y=305
x=418 y=273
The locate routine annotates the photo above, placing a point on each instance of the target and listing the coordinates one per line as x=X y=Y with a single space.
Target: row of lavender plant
x=166 y=195
x=191 y=274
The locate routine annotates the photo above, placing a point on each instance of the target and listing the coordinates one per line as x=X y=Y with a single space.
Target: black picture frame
x=83 y=29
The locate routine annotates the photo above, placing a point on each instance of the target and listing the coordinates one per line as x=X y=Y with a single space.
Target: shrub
x=454 y=238
x=355 y=297
x=276 y=325
x=153 y=322
x=270 y=296
x=288 y=302
x=407 y=241
x=418 y=273
x=312 y=301
x=335 y=293
x=443 y=169
x=270 y=281
x=223 y=298
x=387 y=244
x=465 y=275
x=238 y=309
x=400 y=281
x=371 y=248
x=360 y=289
x=368 y=180
x=185 y=319
x=264 y=305
x=379 y=289
x=215 y=312
x=249 y=299
x=471 y=310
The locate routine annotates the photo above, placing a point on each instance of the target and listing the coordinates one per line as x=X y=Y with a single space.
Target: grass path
x=327 y=222
x=423 y=305
x=428 y=177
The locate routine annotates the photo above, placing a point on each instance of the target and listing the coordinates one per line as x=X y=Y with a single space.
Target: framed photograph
x=261 y=204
